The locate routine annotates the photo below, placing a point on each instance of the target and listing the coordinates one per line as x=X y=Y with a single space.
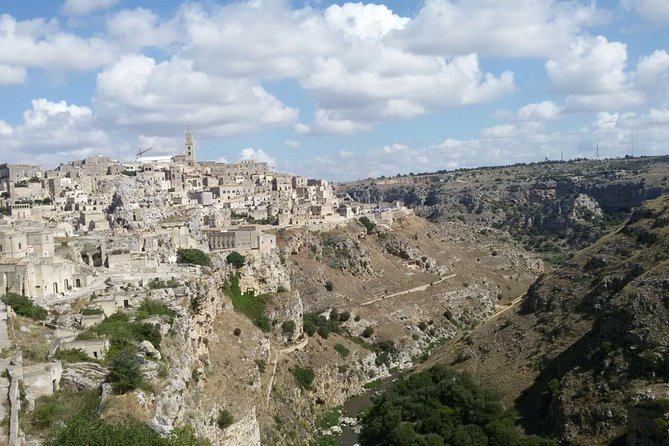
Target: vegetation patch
x=157 y=284
x=153 y=307
x=304 y=377
x=124 y=374
x=251 y=306
x=438 y=407
x=224 y=419
x=51 y=411
x=92 y=431
x=236 y=259
x=24 y=306
x=193 y=257
x=368 y=224
x=343 y=351
x=317 y=323
x=123 y=334
x=73 y=355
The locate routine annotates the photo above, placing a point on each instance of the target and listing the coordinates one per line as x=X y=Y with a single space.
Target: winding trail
x=409 y=291
x=284 y=351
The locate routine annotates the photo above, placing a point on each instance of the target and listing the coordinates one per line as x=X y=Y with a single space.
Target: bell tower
x=190 y=145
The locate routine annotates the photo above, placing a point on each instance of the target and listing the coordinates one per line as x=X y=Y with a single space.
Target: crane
x=141 y=151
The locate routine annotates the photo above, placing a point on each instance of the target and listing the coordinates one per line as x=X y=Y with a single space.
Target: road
x=409 y=291
x=284 y=351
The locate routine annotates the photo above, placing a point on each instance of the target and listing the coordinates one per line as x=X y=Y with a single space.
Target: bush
x=224 y=419
x=368 y=224
x=193 y=257
x=23 y=306
x=59 y=407
x=304 y=377
x=236 y=259
x=368 y=332
x=339 y=348
x=88 y=311
x=237 y=331
x=124 y=374
x=440 y=406
x=344 y=316
x=152 y=307
x=92 y=431
x=73 y=355
x=288 y=328
x=253 y=307
x=263 y=323
x=316 y=323
x=329 y=285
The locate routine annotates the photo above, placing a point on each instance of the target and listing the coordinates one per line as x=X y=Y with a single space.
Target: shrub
x=304 y=377
x=263 y=323
x=368 y=331
x=440 y=406
x=316 y=323
x=329 y=285
x=251 y=306
x=23 y=306
x=288 y=328
x=368 y=224
x=153 y=307
x=224 y=419
x=344 y=316
x=237 y=331
x=88 y=311
x=236 y=259
x=93 y=431
x=73 y=355
x=193 y=257
x=124 y=374
x=342 y=350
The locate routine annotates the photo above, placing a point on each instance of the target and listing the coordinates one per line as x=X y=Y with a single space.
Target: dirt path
x=409 y=291
x=284 y=351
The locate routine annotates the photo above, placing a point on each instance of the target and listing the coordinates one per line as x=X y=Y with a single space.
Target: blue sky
x=333 y=89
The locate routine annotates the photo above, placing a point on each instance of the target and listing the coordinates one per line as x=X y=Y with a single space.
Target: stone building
x=244 y=238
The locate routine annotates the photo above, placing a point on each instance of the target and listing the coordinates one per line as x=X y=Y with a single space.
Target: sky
x=334 y=90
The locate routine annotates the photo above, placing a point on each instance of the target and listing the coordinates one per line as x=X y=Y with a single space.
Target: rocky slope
x=550 y=207
x=585 y=357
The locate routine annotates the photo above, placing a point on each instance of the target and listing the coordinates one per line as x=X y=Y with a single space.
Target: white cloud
x=343 y=56
x=592 y=75
x=136 y=92
x=360 y=20
x=85 y=7
x=140 y=27
x=161 y=145
x=38 y=43
x=256 y=155
x=293 y=144
x=12 y=75
x=655 y=11
x=519 y=28
x=501 y=145
x=542 y=111
x=52 y=132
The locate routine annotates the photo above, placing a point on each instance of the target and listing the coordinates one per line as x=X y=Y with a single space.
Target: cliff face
x=546 y=206
x=586 y=355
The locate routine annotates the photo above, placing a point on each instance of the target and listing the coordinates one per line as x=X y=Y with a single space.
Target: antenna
x=632 y=134
x=561 y=155
x=597 y=152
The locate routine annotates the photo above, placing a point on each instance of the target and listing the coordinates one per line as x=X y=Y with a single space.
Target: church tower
x=190 y=145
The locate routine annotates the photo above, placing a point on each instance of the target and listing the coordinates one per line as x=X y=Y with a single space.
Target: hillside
x=552 y=207
x=585 y=357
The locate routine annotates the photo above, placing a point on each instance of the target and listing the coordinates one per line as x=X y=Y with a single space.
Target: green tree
x=193 y=257
x=124 y=374
x=288 y=328
x=236 y=259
